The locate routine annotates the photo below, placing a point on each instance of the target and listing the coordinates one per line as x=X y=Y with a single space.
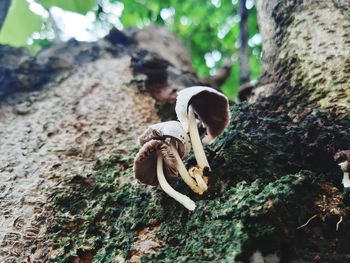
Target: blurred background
x=216 y=32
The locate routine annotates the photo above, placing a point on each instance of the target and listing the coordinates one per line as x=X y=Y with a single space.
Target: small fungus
x=212 y=111
x=344 y=158
x=345 y=167
x=165 y=144
x=179 y=143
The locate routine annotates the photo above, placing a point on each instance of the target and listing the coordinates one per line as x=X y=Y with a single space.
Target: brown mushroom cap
x=344 y=157
x=212 y=110
x=168 y=129
x=149 y=134
x=211 y=107
x=145 y=163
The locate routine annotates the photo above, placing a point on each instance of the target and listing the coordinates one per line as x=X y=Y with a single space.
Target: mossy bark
x=306 y=55
x=275 y=191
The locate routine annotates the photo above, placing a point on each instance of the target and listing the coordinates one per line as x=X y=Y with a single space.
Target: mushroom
x=165 y=144
x=179 y=143
x=212 y=110
x=344 y=158
x=148 y=169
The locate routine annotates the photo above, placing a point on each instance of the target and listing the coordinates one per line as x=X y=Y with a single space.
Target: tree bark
x=306 y=54
x=69 y=106
x=244 y=73
x=275 y=192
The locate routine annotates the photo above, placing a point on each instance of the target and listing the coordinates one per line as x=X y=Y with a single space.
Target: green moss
x=105 y=214
x=222 y=229
x=98 y=212
x=258 y=196
x=266 y=144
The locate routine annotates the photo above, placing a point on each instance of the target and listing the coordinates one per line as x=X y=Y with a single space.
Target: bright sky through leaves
x=210 y=28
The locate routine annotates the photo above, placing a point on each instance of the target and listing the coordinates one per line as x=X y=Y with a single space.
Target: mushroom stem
x=182 y=199
x=197 y=174
x=196 y=140
x=184 y=173
x=346 y=180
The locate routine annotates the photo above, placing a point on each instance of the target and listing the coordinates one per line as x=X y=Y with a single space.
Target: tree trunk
x=275 y=191
x=306 y=55
x=75 y=103
x=244 y=73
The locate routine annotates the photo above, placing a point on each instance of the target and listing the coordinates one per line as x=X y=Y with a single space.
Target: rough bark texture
x=275 y=191
x=306 y=54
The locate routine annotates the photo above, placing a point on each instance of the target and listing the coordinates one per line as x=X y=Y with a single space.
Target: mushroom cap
x=168 y=129
x=344 y=166
x=344 y=158
x=145 y=163
x=211 y=107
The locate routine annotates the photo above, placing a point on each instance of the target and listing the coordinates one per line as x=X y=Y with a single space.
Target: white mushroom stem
x=346 y=179
x=196 y=140
x=197 y=174
x=184 y=173
x=182 y=199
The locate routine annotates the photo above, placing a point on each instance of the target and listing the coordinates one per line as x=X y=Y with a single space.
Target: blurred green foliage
x=209 y=28
x=20 y=23
x=77 y=6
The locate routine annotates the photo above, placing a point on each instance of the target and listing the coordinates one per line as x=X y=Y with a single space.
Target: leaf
x=77 y=6
x=20 y=23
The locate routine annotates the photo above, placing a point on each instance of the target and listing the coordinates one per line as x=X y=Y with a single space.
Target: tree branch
x=218 y=79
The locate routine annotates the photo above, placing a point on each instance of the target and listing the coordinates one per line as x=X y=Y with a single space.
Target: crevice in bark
x=161 y=80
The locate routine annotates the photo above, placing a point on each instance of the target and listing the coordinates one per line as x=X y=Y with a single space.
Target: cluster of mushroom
x=166 y=144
